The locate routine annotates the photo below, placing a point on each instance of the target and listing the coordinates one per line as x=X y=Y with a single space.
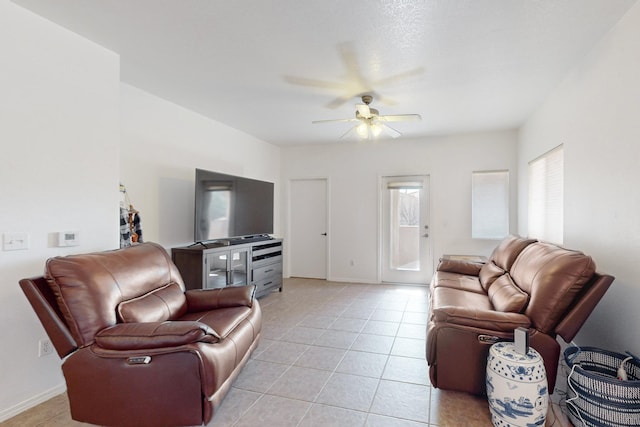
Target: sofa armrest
x=139 y=336
x=210 y=299
x=485 y=319
x=583 y=306
x=461 y=267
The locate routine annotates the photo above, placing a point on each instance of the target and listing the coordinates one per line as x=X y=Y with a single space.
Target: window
x=404 y=215
x=546 y=196
x=489 y=204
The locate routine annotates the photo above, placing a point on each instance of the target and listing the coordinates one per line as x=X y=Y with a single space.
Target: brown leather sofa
x=137 y=349
x=525 y=283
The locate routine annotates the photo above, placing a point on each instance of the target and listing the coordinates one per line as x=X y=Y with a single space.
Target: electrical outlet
x=45 y=347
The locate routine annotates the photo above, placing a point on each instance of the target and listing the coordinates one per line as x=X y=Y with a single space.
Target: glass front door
x=406 y=248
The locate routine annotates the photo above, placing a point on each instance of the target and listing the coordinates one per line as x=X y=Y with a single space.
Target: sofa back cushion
x=165 y=303
x=553 y=277
x=506 y=296
x=489 y=273
x=508 y=250
x=89 y=287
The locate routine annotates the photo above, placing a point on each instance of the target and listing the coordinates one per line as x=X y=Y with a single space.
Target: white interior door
x=405 y=243
x=308 y=228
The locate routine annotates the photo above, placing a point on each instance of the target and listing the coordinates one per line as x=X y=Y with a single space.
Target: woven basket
x=596 y=398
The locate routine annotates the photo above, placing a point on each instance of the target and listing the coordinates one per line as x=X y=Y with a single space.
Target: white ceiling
x=270 y=67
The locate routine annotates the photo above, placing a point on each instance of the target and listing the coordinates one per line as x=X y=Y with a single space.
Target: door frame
x=287 y=250
x=381 y=178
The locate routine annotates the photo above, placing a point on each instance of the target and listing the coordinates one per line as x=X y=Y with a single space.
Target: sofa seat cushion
x=449 y=297
x=222 y=320
x=444 y=279
x=506 y=296
x=456 y=307
x=165 y=303
x=158 y=335
x=489 y=320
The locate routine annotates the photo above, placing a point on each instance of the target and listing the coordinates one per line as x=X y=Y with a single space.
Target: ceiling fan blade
x=385 y=100
x=338 y=102
x=355 y=83
x=349 y=59
x=389 y=131
x=364 y=110
x=400 y=118
x=334 y=121
x=398 y=77
x=355 y=78
x=351 y=134
x=302 y=81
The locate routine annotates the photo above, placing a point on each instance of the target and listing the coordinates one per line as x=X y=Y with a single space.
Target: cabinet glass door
x=216 y=270
x=238 y=271
x=227 y=268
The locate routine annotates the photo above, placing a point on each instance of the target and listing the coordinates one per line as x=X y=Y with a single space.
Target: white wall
x=595 y=113
x=163 y=144
x=354 y=168
x=69 y=133
x=59 y=171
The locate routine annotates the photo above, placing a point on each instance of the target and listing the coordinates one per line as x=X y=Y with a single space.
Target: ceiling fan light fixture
x=376 y=129
x=362 y=130
x=372 y=124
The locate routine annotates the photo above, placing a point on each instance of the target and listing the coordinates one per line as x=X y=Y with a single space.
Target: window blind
x=489 y=204
x=546 y=196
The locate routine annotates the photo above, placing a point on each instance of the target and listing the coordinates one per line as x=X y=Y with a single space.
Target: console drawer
x=266 y=261
x=268 y=271
x=265 y=250
x=266 y=285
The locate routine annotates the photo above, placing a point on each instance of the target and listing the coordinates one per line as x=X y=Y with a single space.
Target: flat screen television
x=231 y=207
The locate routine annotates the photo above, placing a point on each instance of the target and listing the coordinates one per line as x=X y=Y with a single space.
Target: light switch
x=15 y=241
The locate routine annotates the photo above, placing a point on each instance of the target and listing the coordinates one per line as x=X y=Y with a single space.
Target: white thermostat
x=68 y=238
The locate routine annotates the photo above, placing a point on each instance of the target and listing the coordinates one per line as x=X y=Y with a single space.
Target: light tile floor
x=333 y=354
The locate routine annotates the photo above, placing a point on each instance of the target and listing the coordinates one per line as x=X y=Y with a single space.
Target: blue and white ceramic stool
x=516 y=387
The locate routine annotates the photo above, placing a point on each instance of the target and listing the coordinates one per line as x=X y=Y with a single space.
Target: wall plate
x=15 y=241
x=69 y=238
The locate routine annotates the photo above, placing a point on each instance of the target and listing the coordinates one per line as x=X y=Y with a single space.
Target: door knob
x=323 y=234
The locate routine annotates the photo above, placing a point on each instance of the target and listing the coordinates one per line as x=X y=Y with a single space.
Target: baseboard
x=353 y=280
x=31 y=402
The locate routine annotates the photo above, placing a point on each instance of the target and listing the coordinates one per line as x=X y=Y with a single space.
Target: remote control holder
x=521 y=340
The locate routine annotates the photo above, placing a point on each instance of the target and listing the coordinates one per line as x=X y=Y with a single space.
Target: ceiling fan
x=370 y=123
x=356 y=81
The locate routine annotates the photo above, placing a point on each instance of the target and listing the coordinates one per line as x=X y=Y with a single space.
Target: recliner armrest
x=461 y=267
x=485 y=319
x=583 y=306
x=139 y=336
x=210 y=299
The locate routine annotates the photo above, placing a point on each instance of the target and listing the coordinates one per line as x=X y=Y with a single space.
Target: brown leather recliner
x=525 y=283
x=137 y=349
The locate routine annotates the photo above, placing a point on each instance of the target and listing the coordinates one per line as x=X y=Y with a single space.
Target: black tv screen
x=228 y=206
